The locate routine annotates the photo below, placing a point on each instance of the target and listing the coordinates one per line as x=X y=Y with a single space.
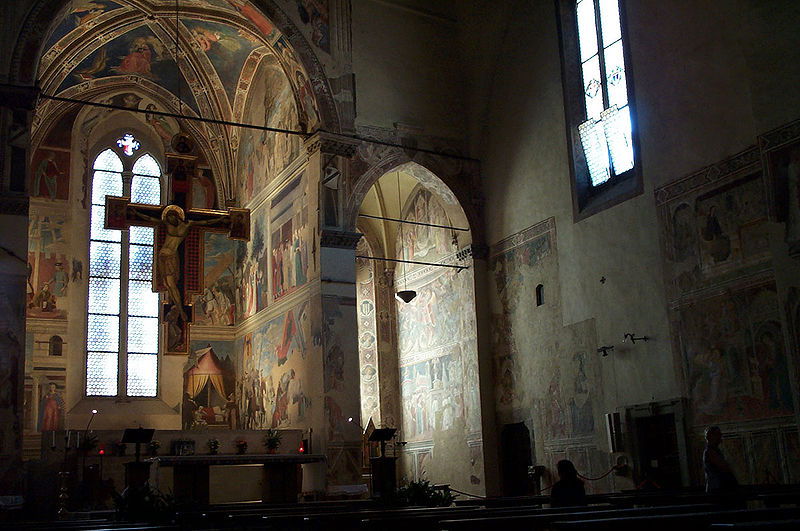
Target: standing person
x=568 y=490
x=719 y=475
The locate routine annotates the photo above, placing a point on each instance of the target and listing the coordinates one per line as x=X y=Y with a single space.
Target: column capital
x=339 y=239
x=476 y=251
x=332 y=144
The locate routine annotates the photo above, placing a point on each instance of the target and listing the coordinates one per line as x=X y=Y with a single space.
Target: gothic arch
x=429 y=171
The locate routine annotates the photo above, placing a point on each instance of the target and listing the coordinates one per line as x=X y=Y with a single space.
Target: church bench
x=431 y=521
x=686 y=521
x=565 y=514
x=761 y=524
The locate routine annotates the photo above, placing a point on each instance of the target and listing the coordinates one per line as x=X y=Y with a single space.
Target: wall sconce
x=406 y=295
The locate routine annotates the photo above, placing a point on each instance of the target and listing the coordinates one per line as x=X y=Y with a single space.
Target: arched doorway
x=427 y=358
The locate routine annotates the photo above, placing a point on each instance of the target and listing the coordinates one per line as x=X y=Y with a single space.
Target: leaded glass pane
x=104 y=295
x=142 y=374
x=595 y=148
x=141 y=262
x=617 y=127
x=143 y=334
x=143 y=235
x=103 y=333
x=592 y=88
x=103 y=184
x=147 y=165
x=141 y=299
x=108 y=161
x=587 y=34
x=615 y=76
x=146 y=190
x=104 y=259
x=101 y=373
x=98 y=231
x=609 y=21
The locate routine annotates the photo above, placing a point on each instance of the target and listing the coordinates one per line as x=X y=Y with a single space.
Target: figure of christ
x=168 y=267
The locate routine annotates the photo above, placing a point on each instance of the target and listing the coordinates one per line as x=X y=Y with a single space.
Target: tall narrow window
x=122 y=324
x=600 y=112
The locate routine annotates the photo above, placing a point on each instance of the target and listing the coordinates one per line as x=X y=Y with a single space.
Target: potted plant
x=153 y=447
x=213 y=446
x=272 y=440
x=241 y=446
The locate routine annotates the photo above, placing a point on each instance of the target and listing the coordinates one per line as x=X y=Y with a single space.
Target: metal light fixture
x=404 y=295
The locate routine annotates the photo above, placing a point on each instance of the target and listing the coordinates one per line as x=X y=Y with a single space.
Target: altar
x=281 y=474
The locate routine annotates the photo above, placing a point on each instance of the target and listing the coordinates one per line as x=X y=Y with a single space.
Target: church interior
x=499 y=233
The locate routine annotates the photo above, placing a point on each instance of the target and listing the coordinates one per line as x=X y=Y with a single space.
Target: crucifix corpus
x=177 y=263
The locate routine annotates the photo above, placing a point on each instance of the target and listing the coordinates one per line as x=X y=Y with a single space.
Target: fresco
x=305 y=95
x=50 y=173
x=48 y=267
x=252 y=14
x=226 y=47
x=314 y=14
x=204 y=193
x=784 y=170
x=209 y=383
x=712 y=232
x=292 y=258
x=271 y=391
x=427 y=244
x=79 y=12
x=732 y=345
x=137 y=52
x=263 y=155
x=367 y=335
x=215 y=306
x=553 y=383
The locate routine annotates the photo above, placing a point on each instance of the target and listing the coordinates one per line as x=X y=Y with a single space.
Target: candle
x=69 y=436
x=53 y=444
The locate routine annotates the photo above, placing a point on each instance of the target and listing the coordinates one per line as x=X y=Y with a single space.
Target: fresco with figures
x=50 y=173
x=783 y=164
x=421 y=243
x=292 y=247
x=553 y=384
x=80 y=13
x=216 y=305
x=49 y=266
x=251 y=265
x=209 y=386
x=716 y=231
x=227 y=48
x=733 y=350
x=274 y=367
x=137 y=52
x=367 y=334
x=263 y=155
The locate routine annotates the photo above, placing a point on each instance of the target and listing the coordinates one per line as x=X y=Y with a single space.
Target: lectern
x=137 y=473
x=384 y=468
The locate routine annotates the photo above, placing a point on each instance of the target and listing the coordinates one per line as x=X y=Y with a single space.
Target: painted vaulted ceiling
x=97 y=45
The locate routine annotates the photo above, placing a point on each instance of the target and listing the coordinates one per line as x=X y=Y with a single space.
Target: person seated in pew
x=719 y=475
x=568 y=490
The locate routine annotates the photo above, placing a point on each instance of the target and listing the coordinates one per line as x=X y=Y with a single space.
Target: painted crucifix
x=177 y=261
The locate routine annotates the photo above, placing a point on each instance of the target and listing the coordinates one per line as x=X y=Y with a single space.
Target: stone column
x=388 y=368
x=16 y=110
x=340 y=439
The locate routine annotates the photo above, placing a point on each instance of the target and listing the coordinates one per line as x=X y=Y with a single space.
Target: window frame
x=147 y=147
x=589 y=199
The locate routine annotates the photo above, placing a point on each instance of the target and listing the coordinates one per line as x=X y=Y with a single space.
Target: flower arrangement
x=213 y=446
x=241 y=446
x=272 y=440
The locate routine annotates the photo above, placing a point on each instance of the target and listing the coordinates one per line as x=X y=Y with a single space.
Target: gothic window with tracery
x=122 y=320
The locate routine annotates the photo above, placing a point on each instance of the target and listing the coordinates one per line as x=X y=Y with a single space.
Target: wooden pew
x=539 y=521
x=683 y=521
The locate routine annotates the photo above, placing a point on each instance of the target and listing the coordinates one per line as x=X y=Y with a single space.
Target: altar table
x=281 y=474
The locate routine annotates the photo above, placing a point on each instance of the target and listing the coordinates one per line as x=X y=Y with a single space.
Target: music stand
x=382 y=435
x=138 y=436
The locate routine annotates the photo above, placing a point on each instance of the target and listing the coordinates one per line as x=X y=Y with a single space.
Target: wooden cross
x=177 y=261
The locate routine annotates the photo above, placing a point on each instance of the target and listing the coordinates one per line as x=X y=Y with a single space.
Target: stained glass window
x=122 y=322
x=606 y=135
